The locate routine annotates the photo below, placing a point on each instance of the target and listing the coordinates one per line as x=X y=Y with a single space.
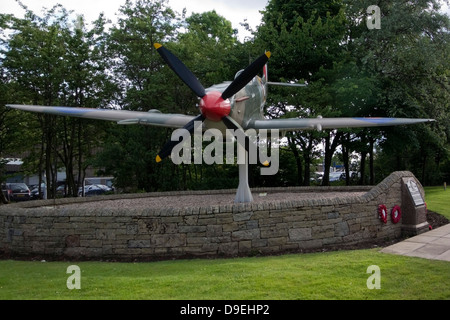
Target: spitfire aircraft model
x=236 y=105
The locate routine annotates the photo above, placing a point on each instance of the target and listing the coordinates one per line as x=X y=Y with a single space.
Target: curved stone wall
x=55 y=230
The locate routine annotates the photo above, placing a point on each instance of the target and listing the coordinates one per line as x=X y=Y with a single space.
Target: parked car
x=16 y=192
x=94 y=190
x=316 y=177
x=35 y=191
x=337 y=176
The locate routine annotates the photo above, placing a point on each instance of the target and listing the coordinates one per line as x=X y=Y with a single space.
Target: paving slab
x=434 y=244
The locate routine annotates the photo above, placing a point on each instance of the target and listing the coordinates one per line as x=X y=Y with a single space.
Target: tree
x=408 y=61
x=305 y=39
x=398 y=71
x=33 y=61
x=54 y=63
x=14 y=136
x=207 y=47
x=86 y=84
x=144 y=85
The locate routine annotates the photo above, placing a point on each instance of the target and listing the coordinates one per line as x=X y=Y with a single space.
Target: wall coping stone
x=371 y=193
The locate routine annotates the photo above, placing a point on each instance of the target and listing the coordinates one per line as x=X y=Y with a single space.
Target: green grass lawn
x=329 y=275
x=438 y=200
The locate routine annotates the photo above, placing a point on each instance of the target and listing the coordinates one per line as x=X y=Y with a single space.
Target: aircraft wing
x=152 y=117
x=293 y=124
x=157 y=118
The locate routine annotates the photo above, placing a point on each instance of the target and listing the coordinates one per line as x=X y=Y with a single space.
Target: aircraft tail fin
x=287 y=84
x=267 y=82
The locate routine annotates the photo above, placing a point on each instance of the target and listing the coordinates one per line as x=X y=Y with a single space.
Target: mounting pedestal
x=243 y=193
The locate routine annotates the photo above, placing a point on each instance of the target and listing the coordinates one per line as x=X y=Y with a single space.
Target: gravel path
x=183 y=201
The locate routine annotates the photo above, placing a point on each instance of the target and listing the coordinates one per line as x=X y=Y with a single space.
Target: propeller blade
x=181 y=70
x=232 y=125
x=245 y=77
x=168 y=147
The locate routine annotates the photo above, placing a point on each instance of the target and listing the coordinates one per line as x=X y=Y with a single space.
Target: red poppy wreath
x=396 y=214
x=382 y=211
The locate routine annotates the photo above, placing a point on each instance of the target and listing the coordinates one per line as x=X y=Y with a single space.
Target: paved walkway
x=434 y=244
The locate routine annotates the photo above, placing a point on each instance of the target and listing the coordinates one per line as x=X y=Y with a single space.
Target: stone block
x=91 y=243
x=214 y=231
x=245 y=246
x=231 y=248
x=333 y=215
x=132 y=229
x=310 y=244
x=341 y=229
x=256 y=243
x=245 y=235
x=207 y=221
x=277 y=241
x=273 y=232
x=211 y=248
x=230 y=227
x=300 y=234
x=168 y=240
x=270 y=221
x=252 y=224
x=191 y=229
x=72 y=241
x=196 y=240
x=244 y=216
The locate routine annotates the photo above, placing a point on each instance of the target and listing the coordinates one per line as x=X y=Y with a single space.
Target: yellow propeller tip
x=268 y=54
x=157 y=45
x=266 y=163
x=158 y=159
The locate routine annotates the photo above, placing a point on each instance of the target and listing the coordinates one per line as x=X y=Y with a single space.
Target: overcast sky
x=233 y=10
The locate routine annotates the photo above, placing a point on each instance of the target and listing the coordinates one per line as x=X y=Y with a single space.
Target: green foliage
x=400 y=70
x=50 y=61
x=129 y=153
x=206 y=46
x=137 y=66
x=407 y=59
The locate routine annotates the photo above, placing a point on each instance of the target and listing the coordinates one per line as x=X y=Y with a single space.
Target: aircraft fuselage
x=246 y=105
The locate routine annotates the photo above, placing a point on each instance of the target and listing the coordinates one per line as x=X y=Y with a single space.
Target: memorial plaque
x=415 y=193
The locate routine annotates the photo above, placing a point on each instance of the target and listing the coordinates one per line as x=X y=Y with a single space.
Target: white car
x=94 y=190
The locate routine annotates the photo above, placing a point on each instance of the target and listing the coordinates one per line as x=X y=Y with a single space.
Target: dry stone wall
x=54 y=231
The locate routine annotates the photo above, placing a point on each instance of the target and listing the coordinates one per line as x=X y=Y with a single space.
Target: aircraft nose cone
x=214 y=107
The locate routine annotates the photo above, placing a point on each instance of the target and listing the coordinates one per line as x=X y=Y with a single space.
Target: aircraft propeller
x=214 y=105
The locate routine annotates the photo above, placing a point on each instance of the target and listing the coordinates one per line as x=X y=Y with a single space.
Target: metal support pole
x=243 y=193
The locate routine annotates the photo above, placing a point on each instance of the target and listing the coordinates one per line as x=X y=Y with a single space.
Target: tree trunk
x=362 y=179
x=307 y=156
x=346 y=161
x=3 y=198
x=371 y=168
x=298 y=160
x=330 y=148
